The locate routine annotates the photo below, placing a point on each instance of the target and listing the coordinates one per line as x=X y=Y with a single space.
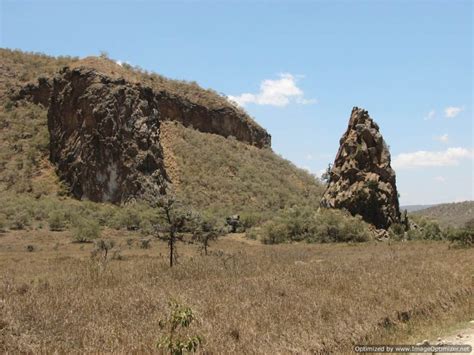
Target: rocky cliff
x=361 y=179
x=104 y=131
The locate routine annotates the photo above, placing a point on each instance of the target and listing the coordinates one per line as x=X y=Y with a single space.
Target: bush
x=102 y=248
x=20 y=220
x=145 y=243
x=85 y=230
x=463 y=237
x=57 y=221
x=339 y=226
x=297 y=224
x=427 y=230
x=249 y=220
x=396 y=231
x=3 y=223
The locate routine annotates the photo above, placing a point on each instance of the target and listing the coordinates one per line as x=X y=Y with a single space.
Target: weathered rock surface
x=361 y=179
x=104 y=132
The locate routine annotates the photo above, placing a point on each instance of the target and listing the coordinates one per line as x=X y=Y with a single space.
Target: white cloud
x=444 y=138
x=320 y=173
x=121 y=62
x=452 y=111
x=448 y=157
x=440 y=179
x=309 y=157
x=279 y=92
x=430 y=115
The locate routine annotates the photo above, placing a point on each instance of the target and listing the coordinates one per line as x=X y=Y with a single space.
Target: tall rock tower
x=361 y=179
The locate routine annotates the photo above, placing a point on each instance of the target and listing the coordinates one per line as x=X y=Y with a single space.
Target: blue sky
x=298 y=67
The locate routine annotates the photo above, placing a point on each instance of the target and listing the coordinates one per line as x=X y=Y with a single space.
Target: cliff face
x=104 y=132
x=361 y=179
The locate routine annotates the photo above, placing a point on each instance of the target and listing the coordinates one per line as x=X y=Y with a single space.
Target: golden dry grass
x=248 y=297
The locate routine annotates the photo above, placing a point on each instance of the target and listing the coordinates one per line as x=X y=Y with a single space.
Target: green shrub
x=249 y=220
x=57 y=221
x=396 y=231
x=426 y=230
x=463 y=237
x=275 y=233
x=339 y=226
x=177 y=339
x=326 y=225
x=85 y=230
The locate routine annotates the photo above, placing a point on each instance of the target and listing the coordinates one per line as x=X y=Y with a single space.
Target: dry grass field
x=247 y=297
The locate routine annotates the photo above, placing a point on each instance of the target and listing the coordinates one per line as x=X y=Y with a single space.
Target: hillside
x=449 y=214
x=213 y=154
x=224 y=175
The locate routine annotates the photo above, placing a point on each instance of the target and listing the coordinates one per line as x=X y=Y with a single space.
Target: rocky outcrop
x=361 y=179
x=104 y=132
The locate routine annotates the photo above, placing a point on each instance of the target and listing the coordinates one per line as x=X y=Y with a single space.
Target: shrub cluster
x=463 y=237
x=303 y=224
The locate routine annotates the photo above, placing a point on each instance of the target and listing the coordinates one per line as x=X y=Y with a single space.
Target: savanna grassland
x=299 y=280
x=247 y=296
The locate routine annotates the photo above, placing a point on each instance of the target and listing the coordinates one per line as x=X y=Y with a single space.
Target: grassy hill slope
x=222 y=175
x=450 y=214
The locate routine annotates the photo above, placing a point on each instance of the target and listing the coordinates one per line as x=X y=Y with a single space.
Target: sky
x=298 y=68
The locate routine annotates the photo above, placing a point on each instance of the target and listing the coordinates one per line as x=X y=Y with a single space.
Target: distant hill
x=449 y=214
x=414 y=208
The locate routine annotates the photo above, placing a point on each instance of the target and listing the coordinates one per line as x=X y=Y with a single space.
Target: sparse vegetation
x=248 y=296
x=280 y=298
x=102 y=247
x=245 y=180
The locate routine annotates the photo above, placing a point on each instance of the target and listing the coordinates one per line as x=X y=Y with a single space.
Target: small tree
x=174 y=218
x=177 y=341
x=326 y=176
x=102 y=247
x=205 y=232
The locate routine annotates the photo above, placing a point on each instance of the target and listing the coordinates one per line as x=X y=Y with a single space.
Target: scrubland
x=247 y=297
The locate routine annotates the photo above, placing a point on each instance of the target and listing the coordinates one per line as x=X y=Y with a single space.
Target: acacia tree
x=204 y=233
x=174 y=218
